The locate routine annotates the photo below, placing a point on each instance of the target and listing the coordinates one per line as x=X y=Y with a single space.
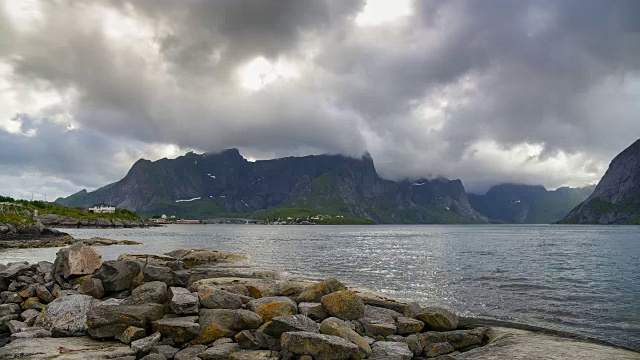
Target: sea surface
x=581 y=279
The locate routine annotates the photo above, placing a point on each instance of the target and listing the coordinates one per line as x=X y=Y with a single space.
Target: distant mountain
x=616 y=198
x=225 y=183
x=528 y=204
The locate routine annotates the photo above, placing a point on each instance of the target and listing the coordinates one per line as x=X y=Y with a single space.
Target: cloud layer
x=538 y=92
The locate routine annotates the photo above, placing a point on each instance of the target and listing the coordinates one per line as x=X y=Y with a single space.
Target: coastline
x=218 y=279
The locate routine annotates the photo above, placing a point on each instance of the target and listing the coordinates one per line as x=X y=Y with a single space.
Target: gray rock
x=31 y=333
x=345 y=305
x=319 y=346
x=219 y=352
x=271 y=307
x=110 y=320
x=383 y=329
x=461 y=339
x=4 y=322
x=9 y=309
x=143 y=346
x=92 y=287
x=44 y=294
x=213 y=298
x=180 y=330
x=29 y=291
x=117 y=275
x=387 y=350
x=131 y=334
x=438 y=319
x=151 y=292
x=407 y=325
x=282 y=324
x=313 y=310
x=10 y=297
x=29 y=316
x=66 y=316
x=167 y=351
x=72 y=348
x=253 y=355
x=436 y=349
x=158 y=273
x=12 y=271
x=190 y=353
x=154 y=357
x=337 y=327
x=16 y=326
x=77 y=259
x=182 y=302
x=247 y=339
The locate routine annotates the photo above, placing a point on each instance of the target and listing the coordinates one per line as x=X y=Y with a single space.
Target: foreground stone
x=180 y=330
x=435 y=318
x=201 y=257
x=319 y=346
x=337 y=327
x=315 y=292
x=117 y=275
x=66 y=316
x=386 y=350
x=223 y=323
x=345 y=305
x=77 y=259
x=271 y=307
x=71 y=348
x=110 y=320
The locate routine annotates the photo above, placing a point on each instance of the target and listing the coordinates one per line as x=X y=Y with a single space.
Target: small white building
x=102 y=209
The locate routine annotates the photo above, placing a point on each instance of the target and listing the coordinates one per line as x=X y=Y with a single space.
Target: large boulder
x=142 y=347
x=282 y=324
x=388 y=350
x=12 y=271
x=435 y=318
x=336 y=327
x=77 y=259
x=92 y=287
x=220 y=323
x=315 y=292
x=319 y=346
x=108 y=320
x=201 y=257
x=271 y=307
x=66 y=316
x=180 y=330
x=182 y=302
x=117 y=275
x=407 y=325
x=71 y=348
x=153 y=292
x=345 y=305
x=212 y=298
x=316 y=311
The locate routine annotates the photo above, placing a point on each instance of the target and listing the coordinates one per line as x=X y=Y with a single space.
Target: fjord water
x=581 y=279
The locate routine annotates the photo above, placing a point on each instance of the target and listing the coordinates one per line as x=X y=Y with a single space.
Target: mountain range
x=226 y=184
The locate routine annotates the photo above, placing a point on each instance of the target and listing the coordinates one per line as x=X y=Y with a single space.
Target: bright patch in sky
x=376 y=12
x=259 y=72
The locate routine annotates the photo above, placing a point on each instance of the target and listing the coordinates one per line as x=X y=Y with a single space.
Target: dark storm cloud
x=487 y=91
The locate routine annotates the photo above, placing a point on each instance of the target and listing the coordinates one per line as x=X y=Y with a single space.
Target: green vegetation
x=301 y=214
x=602 y=207
x=15 y=219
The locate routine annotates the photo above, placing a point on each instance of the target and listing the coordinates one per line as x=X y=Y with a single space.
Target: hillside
x=208 y=185
x=528 y=204
x=616 y=198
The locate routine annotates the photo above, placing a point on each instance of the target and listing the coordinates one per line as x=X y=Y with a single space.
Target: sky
x=530 y=91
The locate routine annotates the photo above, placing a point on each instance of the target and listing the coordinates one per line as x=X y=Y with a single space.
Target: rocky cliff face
x=528 y=204
x=207 y=185
x=616 y=198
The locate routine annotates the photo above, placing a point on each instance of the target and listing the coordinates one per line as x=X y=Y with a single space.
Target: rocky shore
x=205 y=304
x=59 y=221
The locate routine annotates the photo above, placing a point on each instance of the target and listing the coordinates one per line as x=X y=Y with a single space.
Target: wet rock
x=182 y=302
x=143 y=346
x=77 y=259
x=345 y=305
x=117 y=275
x=319 y=346
x=313 y=310
x=66 y=316
x=220 y=323
x=281 y=324
x=131 y=334
x=435 y=318
x=212 y=298
x=151 y=292
x=436 y=349
x=92 y=287
x=180 y=330
x=190 y=353
x=315 y=292
x=200 y=257
x=110 y=320
x=407 y=325
x=387 y=350
x=219 y=352
x=337 y=327
x=271 y=307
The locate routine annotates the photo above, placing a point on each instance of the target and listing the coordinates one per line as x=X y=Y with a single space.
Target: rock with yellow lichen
x=345 y=305
x=271 y=307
